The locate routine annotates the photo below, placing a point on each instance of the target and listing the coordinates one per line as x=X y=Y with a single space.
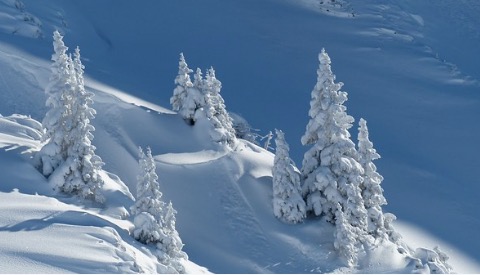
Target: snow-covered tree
x=372 y=192
x=183 y=82
x=59 y=91
x=68 y=156
x=198 y=80
x=216 y=112
x=149 y=197
x=83 y=177
x=154 y=220
x=172 y=244
x=393 y=235
x=288 y=205
x=331 y=174
x=345 y=238
x=187 y=98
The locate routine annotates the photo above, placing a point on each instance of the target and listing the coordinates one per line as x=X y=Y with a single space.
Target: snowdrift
x=223 y=198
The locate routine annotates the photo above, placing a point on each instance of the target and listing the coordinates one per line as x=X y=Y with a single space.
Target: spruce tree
x=331 y=174
x=186 y=99
x=172 y=244
x=59 y=90
x=345 y=238
x=68 y=157
x=216 y=112
x=372 y=192
x=288 y=204
x=183 y=82
x=148 y=197
x=154 y=220
x=83 y=177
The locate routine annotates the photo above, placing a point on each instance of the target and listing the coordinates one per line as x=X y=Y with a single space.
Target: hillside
x=401 y=65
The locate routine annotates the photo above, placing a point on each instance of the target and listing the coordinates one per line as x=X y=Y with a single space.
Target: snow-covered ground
x=410 y=70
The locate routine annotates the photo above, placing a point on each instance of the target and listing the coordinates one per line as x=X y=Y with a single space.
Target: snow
x=410 y=69
x=190 y=158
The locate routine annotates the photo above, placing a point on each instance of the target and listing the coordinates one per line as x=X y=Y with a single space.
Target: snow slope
x=409 y=69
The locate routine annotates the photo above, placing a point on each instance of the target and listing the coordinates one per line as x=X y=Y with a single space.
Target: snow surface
x=410 y=69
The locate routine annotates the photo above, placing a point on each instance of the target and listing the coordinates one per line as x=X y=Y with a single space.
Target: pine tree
x=345 y=238
x=68 y=157
x=372 y=192
x=187 y=98
x=172 y=244
x=83 y=177
x=183 y=82
x=154 y=220
x=216 y=112
x=331 y=174
x=149 y=197
x=59 y=91
x=288 y=205
x=198 y=80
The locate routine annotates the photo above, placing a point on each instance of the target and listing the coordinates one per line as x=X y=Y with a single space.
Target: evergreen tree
x=172 y=244
x=83 y=177
x=216 y=112
x=198 y=80
x=372 y=192
x=149 y=197
x=187 y=98
x=154 y=220
x=345 y=238
x=331 y=174
x=288 y=205
x=59 y=90
x=68 y=157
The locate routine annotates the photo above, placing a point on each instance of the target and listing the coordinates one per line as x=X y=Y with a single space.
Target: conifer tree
x=149 y=197
x=83 y=177
x=345 y=238
x=187 y=98
x=216 y=112
x=154 y=220
x=372 y=192
x=198 y=80
x=68 y=157
x=288 y=204
x=331 y=174
x=172 y=244
x=59 y=91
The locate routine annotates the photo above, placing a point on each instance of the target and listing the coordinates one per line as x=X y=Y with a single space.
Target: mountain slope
x=417 y=89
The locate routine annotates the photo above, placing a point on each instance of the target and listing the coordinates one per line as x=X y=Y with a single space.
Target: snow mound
x=192 y=158
x=19 y=130
x=43 y=235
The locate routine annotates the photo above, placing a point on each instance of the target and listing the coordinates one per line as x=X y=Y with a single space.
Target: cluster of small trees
x=337 y=180
x=68 y=157
x=200 y=100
